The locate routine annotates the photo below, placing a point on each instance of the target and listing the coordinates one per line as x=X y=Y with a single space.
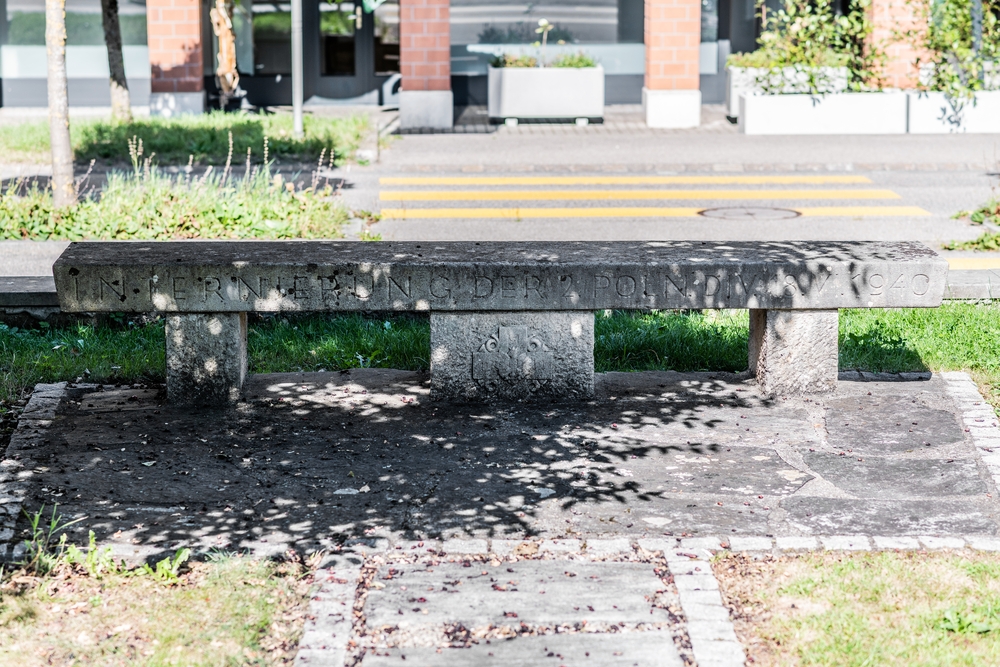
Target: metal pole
x=297 y=68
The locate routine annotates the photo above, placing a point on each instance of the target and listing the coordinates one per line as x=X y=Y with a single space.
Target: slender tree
x=121 y=105
x=63 y=187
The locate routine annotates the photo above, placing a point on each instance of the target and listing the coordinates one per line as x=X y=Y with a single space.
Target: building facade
x=427 y=56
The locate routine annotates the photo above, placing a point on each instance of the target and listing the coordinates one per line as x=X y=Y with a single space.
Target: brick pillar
x=671 y=95
x=425 y=98
x=889 y=16
x=175 y=58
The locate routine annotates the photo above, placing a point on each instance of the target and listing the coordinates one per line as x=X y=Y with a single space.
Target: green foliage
x=988 y=241
x=514 y=60
x=205 y=138
x=95 y=562
x=580 y=59
x=28 y=29
x=961 y=621
x=168 y=569
x=146 y=204
x=42 y=552
x=521 y=33
x=957 y=67
x=807 y=35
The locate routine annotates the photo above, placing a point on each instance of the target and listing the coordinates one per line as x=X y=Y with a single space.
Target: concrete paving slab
x=627 y=649
x=540 y=592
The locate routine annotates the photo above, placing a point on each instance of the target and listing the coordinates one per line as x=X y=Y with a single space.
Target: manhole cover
x=748 y=213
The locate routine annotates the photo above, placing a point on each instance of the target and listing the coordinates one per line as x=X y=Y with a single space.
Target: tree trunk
x=63 y=187
x=121 y=106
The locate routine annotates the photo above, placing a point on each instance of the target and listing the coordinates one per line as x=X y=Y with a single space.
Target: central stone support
x=206 y=358
x=793 y=351
x=512 y=356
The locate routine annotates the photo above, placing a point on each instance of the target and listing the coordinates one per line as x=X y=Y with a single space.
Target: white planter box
x=837 y=113
x=932 y=113
x=546 y=92
x=745 y=80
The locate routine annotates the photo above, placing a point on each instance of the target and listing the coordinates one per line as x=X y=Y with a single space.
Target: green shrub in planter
x=580 y=59
x=514 y=60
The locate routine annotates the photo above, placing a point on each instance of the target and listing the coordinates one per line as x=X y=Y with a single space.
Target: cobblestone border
x=705 y=168
x=17 y=467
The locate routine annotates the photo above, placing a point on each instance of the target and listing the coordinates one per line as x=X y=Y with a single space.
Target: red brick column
x=889 y=17
x=175 y=57
x=672 y=33
x=425 y=63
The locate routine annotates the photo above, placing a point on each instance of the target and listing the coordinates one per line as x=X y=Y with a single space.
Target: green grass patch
x=230 y=610
x=146 y=204
x=861 y=609
x=989 y=241
x=203 y=138
x=956 y=336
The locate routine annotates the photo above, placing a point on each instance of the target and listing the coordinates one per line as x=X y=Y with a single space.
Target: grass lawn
x=203 y=138
x=863 y=609
x=229 y=610
x=146 y=204
x=956 y=336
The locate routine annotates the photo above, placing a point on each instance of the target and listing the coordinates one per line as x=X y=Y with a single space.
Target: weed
x=42 y=552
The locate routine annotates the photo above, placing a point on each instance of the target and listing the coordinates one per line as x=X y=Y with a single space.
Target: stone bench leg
x=794 y=351
x=206 y=358
x=512 y=355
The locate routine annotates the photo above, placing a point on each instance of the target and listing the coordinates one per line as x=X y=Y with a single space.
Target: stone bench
x=508 y=320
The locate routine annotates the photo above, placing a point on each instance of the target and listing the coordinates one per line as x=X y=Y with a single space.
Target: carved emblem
x=512 y=355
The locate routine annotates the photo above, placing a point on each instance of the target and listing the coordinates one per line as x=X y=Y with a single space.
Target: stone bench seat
x=508 y=319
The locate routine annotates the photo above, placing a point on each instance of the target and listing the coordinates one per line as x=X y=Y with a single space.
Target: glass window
x=272 y=38
x=23 y=24
x=709 y=20
x=387 y=38
x=337 y=24
x=574 y=21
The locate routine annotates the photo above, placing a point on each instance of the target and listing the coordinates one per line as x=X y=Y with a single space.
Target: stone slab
x=826 y=516
x=879 y=477
x=881 y=424
x=214 y=276
x=512 y=356
x=206 y=358
x=793 y=352
x=654 y=648
x=29 y=291
x=538 y=592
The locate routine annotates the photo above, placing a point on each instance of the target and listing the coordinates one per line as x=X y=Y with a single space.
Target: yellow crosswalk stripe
x=973 y=263
x=580 y=195
x=629 y=212
x=625 y=180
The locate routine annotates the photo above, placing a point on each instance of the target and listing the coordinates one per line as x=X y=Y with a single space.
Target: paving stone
x=896 y=542
x=711 y=543
x=846 y=543
x=702 y=597
x=626 y=649
x=682 y=555
x=973 y=516
x=711 y=631
x=880 y=477
x=694 y=611
x=984 y=543
x=747 y=471
x=695 y=582
x=538 y=591
x=506 y=547
x=719 y=654
x=415 y=546
x=559 y=546
x=690 y=567
x=465 y=546
x=612 y=547
x=871 y=425
x=738 y=543
x=325 y=635
x=931 y=542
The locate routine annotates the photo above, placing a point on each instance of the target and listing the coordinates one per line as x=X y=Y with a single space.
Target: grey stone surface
x=206 y=358
x=331 y=614
x=825 y=516
x=751 y=544
x=846 y=542
x=653 y=648
x=880 y=477
x=37 y=291
x=793 y=352
x=933 y=542
x=539 y=592
x=895 y=542
x=455 y=276
x=512 y=355
x=884 y=424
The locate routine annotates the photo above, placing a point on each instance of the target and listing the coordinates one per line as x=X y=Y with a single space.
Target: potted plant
x=569 y=87
x=960 y=76
x=816 y=72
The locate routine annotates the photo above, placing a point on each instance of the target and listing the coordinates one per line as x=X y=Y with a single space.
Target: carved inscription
x=512 y=355
x=879 y=284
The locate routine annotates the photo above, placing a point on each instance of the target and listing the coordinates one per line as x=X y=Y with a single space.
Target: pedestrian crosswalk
x=527 y=197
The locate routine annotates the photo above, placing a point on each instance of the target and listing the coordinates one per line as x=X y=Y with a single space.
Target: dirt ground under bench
x=314 y=460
